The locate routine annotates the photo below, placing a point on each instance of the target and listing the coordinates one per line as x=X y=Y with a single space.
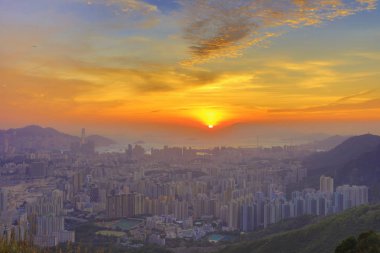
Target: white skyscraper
x=353 y=195
x=326 y=184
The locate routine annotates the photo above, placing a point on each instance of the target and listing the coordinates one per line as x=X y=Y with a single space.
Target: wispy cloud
x=348 y=103
x=353 y=96
x=129 y=6
x=223 y=28
x=144 y=14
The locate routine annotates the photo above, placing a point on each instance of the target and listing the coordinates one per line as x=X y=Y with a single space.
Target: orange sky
x=195 y=64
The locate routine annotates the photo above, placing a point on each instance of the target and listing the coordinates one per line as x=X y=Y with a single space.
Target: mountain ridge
x=355 y=161
x=34 y=137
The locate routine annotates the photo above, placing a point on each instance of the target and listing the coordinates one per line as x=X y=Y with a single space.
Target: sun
x=210 y=117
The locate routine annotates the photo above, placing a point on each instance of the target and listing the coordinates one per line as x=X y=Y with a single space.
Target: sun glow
x=210 y=117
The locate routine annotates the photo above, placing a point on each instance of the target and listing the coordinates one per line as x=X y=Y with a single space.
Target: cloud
x=353 y=96
x=143 y=14
x=373 y=56
x=223 y=28
x=342 y=104
x=129 y=6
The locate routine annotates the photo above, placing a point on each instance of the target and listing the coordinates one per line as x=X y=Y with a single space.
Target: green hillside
x=13 y=246
x=324 y=236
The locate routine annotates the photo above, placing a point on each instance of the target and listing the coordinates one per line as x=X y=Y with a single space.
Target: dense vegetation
x=368 y=242
x=13 y=246
x=320 y=237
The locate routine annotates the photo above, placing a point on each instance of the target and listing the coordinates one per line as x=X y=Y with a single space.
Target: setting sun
x=210 y=117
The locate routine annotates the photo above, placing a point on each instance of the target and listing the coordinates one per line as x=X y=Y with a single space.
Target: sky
x=190 y=64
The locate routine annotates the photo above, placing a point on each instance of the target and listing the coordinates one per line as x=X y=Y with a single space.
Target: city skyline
x=135 y=66
x=56 y=189
x=187 y=126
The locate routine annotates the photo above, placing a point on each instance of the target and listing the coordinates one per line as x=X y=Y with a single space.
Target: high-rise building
x=326 y=184
x=83 y=137
x=6 y=144
x=3 y=200
x=47 y=205
x=233 y=216
x=247 y=218
x=111 y=206
x=125 y=205
x=47 y=225
x=94 y=194
x=46 y=219
x=181 y=210
x=78 y=182
x=84 y=146
x=322 y=206
x=352 y=196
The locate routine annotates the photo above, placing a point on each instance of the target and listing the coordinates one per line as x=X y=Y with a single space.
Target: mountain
x=350 y=149
x=100 y=141
x=365 y=170
x=34 y=137
x=326 y=144
x=355 y=161
x=323 y=236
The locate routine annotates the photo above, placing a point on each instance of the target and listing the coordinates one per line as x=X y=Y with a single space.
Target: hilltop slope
x=316 y=238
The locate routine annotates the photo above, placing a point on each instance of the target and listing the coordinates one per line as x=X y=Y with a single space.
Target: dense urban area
x=171 y=196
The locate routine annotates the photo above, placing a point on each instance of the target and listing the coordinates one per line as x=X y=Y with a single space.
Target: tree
x=347 y=246
x=368 y=242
